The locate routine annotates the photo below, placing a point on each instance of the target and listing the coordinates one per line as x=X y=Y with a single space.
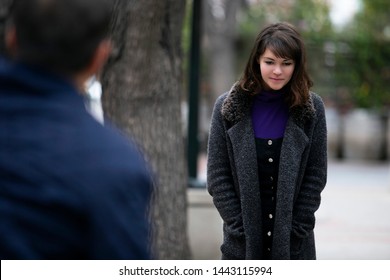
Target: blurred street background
x=353 y=222
x=348 y=45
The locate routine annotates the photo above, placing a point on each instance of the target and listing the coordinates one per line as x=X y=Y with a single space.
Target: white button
x=269 y=233
x=271 y=178
x=273 y=198
x=269 y=249
x=270 y=216
x=271 y=160
x=269 y=142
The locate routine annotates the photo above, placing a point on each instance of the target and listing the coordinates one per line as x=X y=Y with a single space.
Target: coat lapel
x=294 y=145
x=242 y=139
x=236 y=110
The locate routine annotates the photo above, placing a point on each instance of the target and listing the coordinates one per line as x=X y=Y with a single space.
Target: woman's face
x=276 y=72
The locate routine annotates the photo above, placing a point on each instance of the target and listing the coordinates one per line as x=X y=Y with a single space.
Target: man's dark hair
x=61 y=35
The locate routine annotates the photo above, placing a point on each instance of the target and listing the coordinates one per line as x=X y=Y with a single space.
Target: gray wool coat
x=233 y=182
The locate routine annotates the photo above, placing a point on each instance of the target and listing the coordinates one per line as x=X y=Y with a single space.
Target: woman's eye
x=287 y=63
x=268 y=62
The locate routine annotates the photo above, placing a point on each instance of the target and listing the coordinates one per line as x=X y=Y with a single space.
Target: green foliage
x=350 y=67
x=368 y=57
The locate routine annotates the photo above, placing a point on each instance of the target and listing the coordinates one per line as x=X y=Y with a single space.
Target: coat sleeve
x=220 y=182
x=314 y=176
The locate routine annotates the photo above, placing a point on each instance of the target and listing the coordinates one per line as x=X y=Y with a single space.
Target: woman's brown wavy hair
x=285 y=42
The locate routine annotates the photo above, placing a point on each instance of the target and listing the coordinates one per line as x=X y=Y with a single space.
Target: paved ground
x=353 y=221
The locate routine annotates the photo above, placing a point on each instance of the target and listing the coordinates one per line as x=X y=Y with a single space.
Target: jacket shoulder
x=317 y=100
x=220 y=100
x=313 y=107
x=236 y=104
x=318 y=103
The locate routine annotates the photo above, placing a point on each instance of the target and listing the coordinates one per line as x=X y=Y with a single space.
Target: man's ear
x=100 y=57
x=96 y=64
x=11 y=42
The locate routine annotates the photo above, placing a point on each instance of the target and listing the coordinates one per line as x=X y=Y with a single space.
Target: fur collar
x=237 y=105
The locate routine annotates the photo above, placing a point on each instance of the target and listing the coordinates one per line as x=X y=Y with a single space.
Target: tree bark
x=142 y=85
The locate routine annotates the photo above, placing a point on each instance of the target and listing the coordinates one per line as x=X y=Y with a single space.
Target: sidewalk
x=353 y=221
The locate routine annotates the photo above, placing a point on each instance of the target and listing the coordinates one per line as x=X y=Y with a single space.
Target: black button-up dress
x=268 y=154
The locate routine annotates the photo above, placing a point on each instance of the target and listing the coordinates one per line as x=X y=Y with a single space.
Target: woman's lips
x=276 y=79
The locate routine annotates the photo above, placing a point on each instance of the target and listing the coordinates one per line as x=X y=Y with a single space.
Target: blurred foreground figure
x=69 y=187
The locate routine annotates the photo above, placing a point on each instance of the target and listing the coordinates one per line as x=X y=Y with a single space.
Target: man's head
x=61 y=35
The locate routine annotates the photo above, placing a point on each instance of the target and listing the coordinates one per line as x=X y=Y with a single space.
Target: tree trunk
x=142 y=85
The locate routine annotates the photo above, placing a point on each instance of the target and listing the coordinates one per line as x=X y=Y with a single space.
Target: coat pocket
x=233 y=247
x=302 y=248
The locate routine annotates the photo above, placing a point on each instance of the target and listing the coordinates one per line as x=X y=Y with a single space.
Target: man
x=69 y=187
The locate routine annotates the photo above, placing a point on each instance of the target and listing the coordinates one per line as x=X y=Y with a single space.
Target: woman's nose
x=277 y=70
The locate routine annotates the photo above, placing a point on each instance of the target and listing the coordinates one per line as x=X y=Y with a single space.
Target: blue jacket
x=69 y=187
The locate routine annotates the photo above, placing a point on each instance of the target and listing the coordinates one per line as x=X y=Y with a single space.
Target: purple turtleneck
x=269 y=114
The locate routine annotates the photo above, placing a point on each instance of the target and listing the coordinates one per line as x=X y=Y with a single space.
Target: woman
x=267 y=158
